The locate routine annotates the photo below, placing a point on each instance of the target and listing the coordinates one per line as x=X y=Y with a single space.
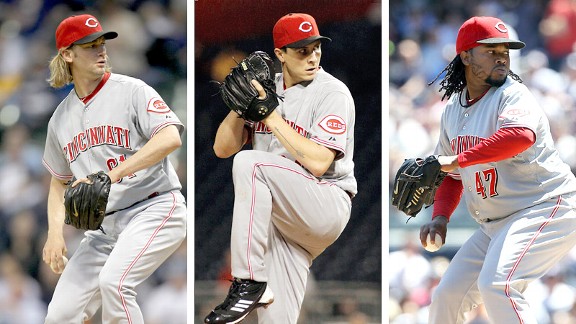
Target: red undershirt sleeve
x=503 y=144
x=447 y=197
x=249 y=129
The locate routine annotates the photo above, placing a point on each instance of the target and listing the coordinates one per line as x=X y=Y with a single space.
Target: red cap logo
x=296 y=30
x=80 y=29
x=484 y=30
x=92 y=22
x=306 y=27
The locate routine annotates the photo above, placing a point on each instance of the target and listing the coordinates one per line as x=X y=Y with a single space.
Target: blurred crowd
x=151 y=46
x=422 y=42
x=413 y=274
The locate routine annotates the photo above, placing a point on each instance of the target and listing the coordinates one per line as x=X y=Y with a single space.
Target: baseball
x=437 y=243
x=54 y=266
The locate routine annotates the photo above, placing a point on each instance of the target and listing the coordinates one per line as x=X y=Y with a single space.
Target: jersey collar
x=470 y=102
x=89 y=97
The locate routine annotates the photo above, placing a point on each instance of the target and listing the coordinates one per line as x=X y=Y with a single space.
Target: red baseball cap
x=484 y=30
x=296 y=30
x=80 y=29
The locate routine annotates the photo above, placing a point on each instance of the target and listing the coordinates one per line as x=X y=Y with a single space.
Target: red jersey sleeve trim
x=503 y=144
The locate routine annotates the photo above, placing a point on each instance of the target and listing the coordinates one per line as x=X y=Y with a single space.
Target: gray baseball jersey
x=498 y=189
x=526 y=207
x=147 y=212
x=97 y=135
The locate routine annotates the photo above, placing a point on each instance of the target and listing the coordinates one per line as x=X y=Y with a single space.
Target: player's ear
x=465 y=57
x=279 y=54
x=66 y=54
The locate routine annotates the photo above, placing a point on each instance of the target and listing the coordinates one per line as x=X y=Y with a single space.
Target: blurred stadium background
x=422 y=35
x=151 y=46
x=345 y=283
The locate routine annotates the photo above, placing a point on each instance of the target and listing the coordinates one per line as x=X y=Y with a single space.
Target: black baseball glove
x=415 y=184
x=85 y=203
x=240 y=95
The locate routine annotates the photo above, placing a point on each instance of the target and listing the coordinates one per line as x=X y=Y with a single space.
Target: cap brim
x=514 y=44
x=306 y=41
x=95 y=36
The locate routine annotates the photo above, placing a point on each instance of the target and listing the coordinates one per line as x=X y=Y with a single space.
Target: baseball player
x=293 y=190
x=495 y=142
x=120 y=125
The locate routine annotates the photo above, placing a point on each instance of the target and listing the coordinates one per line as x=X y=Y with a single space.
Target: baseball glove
x=415 y=184
x=85 y=203
x=241 y=96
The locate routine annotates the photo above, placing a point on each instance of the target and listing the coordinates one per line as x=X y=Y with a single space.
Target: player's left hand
x=81 y=180
x=415 y=184
x=113 y=179
x=240 y=94
x=85 y=201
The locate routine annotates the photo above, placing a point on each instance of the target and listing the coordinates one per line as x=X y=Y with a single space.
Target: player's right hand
x=448 y=163
x=53 y=253
x=439 y=225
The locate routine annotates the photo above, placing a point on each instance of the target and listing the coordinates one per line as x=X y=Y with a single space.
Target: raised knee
x=243 y=158
x=245 y=161
x=490 y=288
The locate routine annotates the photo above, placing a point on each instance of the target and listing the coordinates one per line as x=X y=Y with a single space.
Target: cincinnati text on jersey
x=464 y=143
x=260 y=128
x=95 y=136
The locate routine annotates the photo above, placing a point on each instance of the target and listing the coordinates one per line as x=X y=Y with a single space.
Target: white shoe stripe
x=247 y=302
x=242 y=305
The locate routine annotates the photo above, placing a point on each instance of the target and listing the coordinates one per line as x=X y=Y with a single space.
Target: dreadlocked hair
x=455 y=79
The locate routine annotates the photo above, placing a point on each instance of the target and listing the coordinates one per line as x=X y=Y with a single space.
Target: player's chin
x=309 y=75
x=496 y=81
x=99 y=71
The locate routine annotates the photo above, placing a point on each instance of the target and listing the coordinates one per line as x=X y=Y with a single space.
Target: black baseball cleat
x=243 y=297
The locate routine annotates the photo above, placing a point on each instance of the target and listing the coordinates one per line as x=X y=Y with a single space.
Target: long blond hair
x=60 y=73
